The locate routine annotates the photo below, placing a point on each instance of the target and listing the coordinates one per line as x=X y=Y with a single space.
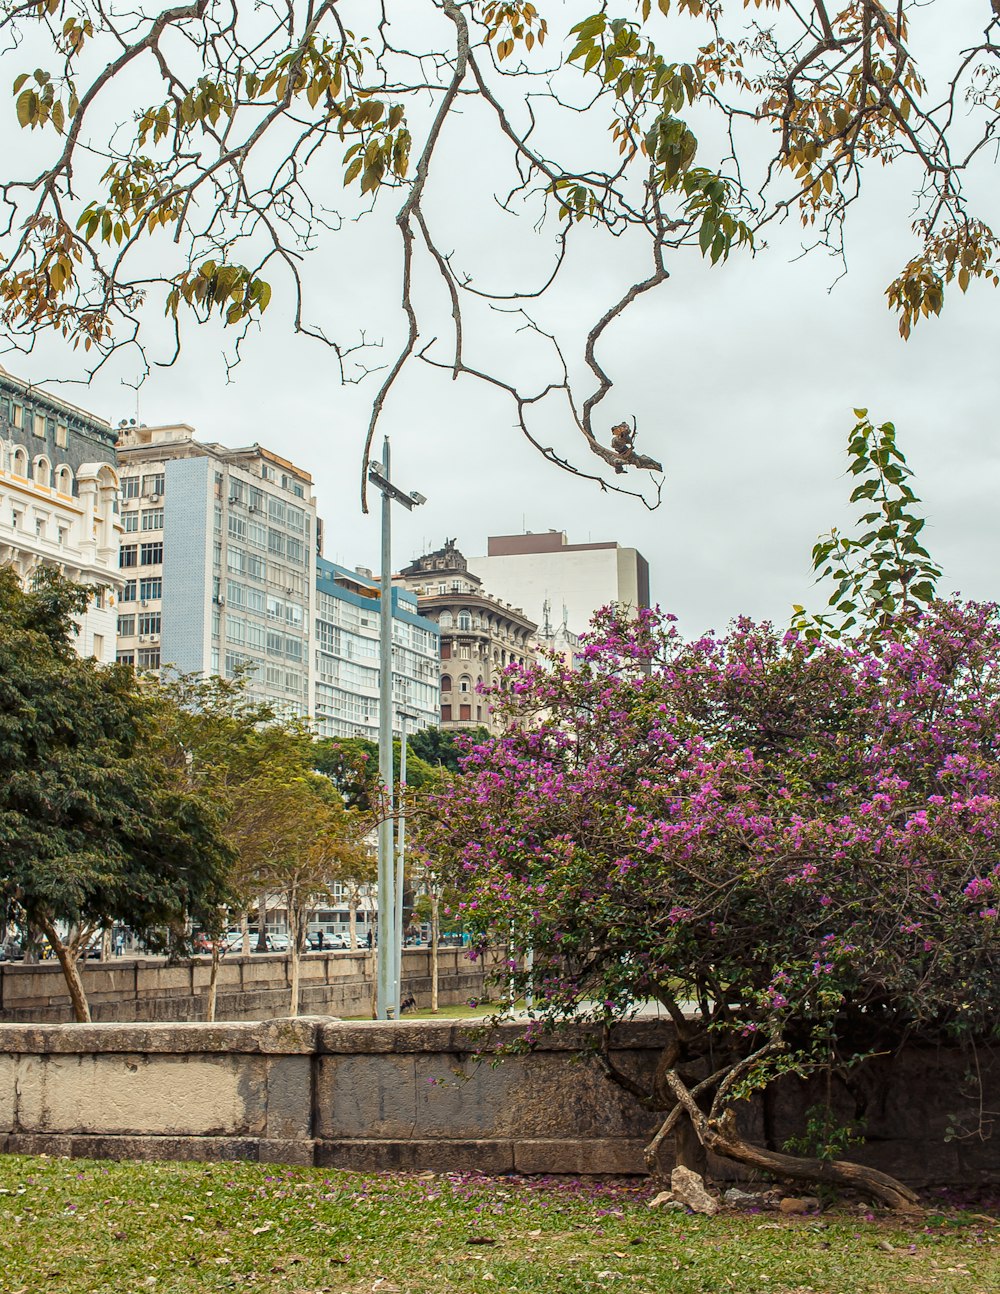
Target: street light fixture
x=388 y=933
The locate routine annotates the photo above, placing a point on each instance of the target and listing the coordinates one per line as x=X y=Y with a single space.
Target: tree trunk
x=213 y=981
x=721 y=1137
x=106 y=944
x=295 y=915
x=352 y=922
x=245 y=929
x=71 y=973
x=435 y=902
x=262 y=923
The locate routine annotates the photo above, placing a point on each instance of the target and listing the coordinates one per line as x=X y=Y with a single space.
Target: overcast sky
x=742 y=379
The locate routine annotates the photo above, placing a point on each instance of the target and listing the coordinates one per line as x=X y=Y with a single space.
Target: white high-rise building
x=218 y=557
x=346 y=682
x=561 y=585
x=59 y=501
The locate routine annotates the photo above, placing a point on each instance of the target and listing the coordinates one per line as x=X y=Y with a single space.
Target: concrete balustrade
x=250 y=988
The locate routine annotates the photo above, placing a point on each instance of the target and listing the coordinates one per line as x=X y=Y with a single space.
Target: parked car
x=275 y=943
x=321 y=941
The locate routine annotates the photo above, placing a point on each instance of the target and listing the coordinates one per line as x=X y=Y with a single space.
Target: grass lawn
x=80 y=1227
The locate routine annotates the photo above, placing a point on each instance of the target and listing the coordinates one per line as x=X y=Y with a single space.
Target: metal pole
x=387 y=999
x=400 y=851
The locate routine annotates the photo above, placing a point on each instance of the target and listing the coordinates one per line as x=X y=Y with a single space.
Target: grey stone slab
x=289 y=1097
x=438 y=1155
x=278 y=1037
x=580 y=1156
x=273 y=1150
x=365 y=1096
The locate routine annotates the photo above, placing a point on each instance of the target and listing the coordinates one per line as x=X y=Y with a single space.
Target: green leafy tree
x=443 y=747
x=94 y=828
x=204 y=202
x=882 y=575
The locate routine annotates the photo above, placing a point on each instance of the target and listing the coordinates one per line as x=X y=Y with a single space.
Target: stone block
x=142 y=1095
x=580 y=1156
x=8 y=1092
x=415 y=1156
x=918 y=1163
x=276 y=1151
x=289 y=1097
x=139 y=1148
x=277 y=1037
x=365 y=1096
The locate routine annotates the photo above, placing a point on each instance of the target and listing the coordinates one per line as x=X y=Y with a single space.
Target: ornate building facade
x=59 y=501
x=480 y=635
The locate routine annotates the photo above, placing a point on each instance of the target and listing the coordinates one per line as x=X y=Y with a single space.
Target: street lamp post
x=387 y=981
x=401 y=853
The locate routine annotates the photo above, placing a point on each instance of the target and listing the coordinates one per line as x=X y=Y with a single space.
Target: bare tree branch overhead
x=188 y=160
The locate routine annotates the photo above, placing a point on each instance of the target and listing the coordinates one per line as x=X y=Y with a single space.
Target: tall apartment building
x=560 y=584
x=59 y=501
x=480 y=633
x=218 y=557
x=346 y=673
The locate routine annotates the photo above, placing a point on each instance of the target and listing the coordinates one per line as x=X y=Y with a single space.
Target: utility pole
x=387 y=979
x=401 y=851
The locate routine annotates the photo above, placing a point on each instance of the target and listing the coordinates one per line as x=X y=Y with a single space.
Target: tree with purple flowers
x=789 y=843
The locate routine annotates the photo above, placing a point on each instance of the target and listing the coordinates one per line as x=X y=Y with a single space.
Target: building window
x=126 y=626
x=463 y=651
x=130 y=487
x=148 y=658
x=152 y=484
x=152 y=519
x=148 y=589
x=446 y=714
x=128 y=592
x=126 y=658
x=39 y=425
x=446 y=651
x=131 y=520
x=464 y=621
x=128 y=556
x=18 y=416
x=152 y=554
x=98 y=645
x=149 y=622
x=62 y=435
x=465 y=712
x=445 y=682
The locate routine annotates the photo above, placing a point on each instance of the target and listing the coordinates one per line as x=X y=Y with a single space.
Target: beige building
x=59 y=501
x=480 y=634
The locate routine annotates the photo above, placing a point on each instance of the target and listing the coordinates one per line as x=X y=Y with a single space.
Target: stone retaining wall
x=250 y=988
x=412 y=1095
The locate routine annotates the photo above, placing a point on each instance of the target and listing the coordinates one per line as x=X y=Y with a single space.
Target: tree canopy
x=789 y=844
x=93 y=828
x=181 y=161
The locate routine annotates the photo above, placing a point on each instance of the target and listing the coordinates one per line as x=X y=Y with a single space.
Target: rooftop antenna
x=546 y=625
